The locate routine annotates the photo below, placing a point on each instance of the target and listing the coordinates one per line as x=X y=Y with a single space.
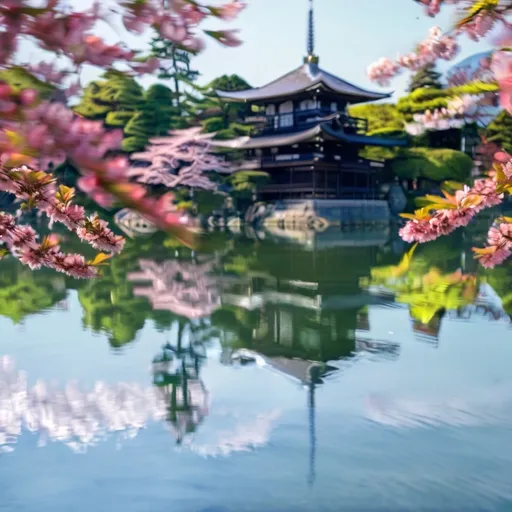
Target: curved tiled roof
x=306 y=77
x=326 y=128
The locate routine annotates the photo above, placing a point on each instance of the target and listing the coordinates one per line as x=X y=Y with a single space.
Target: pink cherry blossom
x=92 y=186
x=35 y=132
x=228 y=38
x=502 y=69
x=231 y=10
x=383 y=71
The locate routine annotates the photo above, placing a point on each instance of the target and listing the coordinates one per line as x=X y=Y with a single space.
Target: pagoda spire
x=311 y=57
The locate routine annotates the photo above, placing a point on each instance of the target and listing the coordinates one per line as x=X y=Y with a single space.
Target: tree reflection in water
x=291 y=309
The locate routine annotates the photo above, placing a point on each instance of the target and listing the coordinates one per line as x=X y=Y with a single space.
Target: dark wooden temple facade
x=305 y=139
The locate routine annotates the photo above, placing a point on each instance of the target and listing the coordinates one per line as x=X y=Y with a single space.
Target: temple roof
x=327 y=129
x=307 y=77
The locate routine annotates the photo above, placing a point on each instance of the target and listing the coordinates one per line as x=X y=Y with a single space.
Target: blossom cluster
x=35 y=133
x=433 y=7
x=180 y=160
x=460 y=110
x=501 y=66
x=436 y=46
x=478 y=20
x=38 y=190
x=71 y=33
x=443 y=215
x=476 y=23
x=22 y=242
x=463 y=75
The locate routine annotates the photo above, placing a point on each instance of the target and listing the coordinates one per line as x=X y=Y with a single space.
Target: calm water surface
x=258 y=375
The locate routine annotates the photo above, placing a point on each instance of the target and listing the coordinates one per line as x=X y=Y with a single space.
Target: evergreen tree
x=156 y=116
x=175 y=66
x=426 y=78
x=114 y=99
x=218 y=115
x=499 y=131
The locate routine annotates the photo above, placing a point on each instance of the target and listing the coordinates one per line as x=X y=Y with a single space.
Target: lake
x=259 y=374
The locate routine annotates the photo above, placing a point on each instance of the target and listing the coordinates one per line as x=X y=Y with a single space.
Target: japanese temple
x=304 y=137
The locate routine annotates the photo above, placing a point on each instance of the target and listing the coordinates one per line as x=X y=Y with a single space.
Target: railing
x=291 y=158
x=317 y=190
x=302 y=118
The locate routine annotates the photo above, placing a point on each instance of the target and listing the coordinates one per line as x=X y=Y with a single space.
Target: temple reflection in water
x=293 y=305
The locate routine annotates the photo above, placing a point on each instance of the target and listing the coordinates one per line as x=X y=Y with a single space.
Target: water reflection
x=71 y=415
x=311 y=315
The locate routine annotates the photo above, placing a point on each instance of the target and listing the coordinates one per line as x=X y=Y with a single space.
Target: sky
x=349 y=34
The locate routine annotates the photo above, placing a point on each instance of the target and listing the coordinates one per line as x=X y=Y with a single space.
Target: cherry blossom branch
x=34 y=132
x=476 y=24
x=21 y=242
x=442 y=216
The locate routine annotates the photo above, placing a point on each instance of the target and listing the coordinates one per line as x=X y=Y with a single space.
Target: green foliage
x=213 y=124
x=500 y=278
x=174 y=66
x=23 y=292
x=428 y=98
x=379 y=116
x=378 y=153
x=218 y=115
x=409 y=106
x=473 y=88
x=20 y=79
x=229 y=83
x=121 y=103
x=208 y=201
x=245 y=185
x=109 y=305
x=499 y=131
x=389 y=132
x=426 y=77
x=114 y=93
x=433 y=164
x=248 y=180
x=156 y=117
x=234 y=130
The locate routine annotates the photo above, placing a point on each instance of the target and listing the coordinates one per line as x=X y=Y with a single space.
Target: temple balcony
x=287 y=159
x=303 y=119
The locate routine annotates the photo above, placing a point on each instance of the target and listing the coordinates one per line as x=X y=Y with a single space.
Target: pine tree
x=216 y=114
x=175 y=66
x=426 y=78
x=499 y=131
x=114 y=99
x=156 y=116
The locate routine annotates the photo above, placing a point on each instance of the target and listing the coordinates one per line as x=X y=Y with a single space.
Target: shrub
x=382 y=115
x=433 y=164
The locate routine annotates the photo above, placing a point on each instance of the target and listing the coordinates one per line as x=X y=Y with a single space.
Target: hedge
x=433 y=164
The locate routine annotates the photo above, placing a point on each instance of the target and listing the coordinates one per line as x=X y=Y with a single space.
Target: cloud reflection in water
x=80 y=419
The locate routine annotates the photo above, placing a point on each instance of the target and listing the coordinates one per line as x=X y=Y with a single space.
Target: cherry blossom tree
x=180 y=160
x=442 y=215
x=35 y=131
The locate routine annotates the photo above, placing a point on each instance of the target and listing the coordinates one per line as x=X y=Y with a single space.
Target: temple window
x=308 y=104
x=286 y=114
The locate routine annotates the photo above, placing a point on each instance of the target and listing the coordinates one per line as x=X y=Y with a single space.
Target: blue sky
x=350 y=34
